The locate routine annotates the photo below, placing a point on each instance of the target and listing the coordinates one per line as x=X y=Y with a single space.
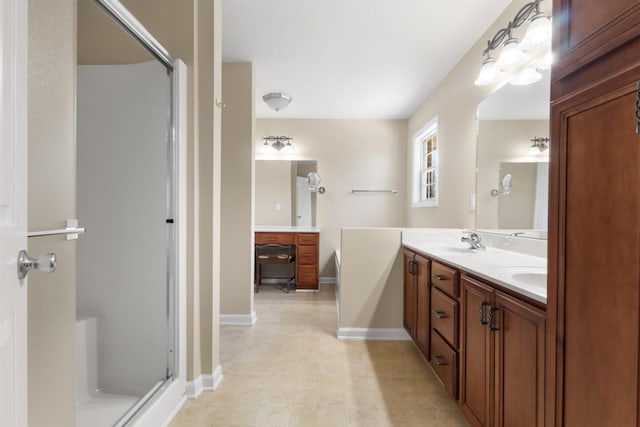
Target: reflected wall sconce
x=277 y=101
x=277 y=144
x=541 y=143
x=519 y=61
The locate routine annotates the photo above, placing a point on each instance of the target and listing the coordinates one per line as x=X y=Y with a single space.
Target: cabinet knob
x=438 y=277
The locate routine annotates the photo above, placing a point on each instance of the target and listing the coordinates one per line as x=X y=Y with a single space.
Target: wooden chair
x=275 y=254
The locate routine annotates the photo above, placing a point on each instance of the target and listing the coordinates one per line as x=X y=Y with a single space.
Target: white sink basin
x=530 y=276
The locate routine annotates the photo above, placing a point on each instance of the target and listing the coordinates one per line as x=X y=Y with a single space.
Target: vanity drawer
x=444 y=361
x=278 y=238
x=445 y=279
x=308 y=238
x=444 y=316
x=307 y=275
x=307 y=254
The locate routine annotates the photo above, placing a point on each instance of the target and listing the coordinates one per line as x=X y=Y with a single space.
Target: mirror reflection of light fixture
x=540 y=143
x=505 y=184
x=277 y=143
x=313 y=181
x=277 y=101
x=522 y=58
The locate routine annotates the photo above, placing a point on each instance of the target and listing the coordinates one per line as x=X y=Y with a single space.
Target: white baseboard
x=382 y=334
x=327 y=281
x=238 y=319
x=205 y=382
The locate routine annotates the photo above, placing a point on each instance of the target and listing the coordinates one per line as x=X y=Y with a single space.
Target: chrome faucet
x=472 y=239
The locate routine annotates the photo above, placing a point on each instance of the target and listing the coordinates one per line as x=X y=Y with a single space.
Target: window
x=425 y=166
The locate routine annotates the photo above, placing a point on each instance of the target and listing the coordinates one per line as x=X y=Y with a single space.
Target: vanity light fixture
x=541 y=143
x=277 y=101
x=522 y=59
x=278 y=143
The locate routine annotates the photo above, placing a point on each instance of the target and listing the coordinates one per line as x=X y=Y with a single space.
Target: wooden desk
x=307 y=253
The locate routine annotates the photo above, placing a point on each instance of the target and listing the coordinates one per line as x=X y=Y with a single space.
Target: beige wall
x=52 y=199
x=455 y=102
x=351 y=154
x=371 y=281
x=502 y=141
x=236 y=284
x=274 y=192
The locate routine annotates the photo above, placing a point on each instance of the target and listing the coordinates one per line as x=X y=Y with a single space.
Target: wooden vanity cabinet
x=416 y=299
x=593 y=375
x=502 y=355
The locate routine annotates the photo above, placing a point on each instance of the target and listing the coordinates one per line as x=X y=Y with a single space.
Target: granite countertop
x=518 y=271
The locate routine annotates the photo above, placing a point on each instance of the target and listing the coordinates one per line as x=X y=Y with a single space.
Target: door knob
x=46 y=263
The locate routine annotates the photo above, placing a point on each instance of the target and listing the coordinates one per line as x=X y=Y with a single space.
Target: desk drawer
x=307 y=254
x=279 y=238
x=307 y=274
x=308 y=238
x=444 y=316
x=445 y=279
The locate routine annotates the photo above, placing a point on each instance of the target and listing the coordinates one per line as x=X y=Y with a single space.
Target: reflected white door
x=13 y=212
x=303 y=203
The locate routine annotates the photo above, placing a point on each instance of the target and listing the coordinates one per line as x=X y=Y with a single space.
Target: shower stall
x=127 y=338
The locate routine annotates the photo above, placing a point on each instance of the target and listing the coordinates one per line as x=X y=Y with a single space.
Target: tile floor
x=290 y=370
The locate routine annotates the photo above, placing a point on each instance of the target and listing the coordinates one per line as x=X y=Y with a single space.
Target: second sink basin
x=530 y=276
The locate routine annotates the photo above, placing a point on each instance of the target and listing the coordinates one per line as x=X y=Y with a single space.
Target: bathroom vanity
x=307 y=243
x=478 y=317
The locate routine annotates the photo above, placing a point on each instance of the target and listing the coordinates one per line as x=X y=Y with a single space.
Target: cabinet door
x=476 y=352
x=409 y=294
x=594 y=273
x=593 y=28
x=519 y=363
x=423 y=306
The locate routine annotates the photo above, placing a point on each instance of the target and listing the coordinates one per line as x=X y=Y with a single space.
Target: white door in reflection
x=303 y=202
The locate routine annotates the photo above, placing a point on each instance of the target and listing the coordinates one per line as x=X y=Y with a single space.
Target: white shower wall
x=122 y=117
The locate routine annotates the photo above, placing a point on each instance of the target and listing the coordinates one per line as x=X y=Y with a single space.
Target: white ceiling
x=352 y=58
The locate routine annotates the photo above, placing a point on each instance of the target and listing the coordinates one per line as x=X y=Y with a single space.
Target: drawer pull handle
x=439 y=360
x=438 y=277
x=307 y=274
x=439 y=314
x=490 y=324
x=481 y=313
x=306 y=254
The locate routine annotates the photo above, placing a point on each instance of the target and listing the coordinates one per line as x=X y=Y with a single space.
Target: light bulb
x=525 y=77
x=538 y=33
x=489 y=73
x=510 y=54
x=545 y=62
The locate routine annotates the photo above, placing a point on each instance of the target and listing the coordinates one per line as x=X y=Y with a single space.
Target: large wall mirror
x=512 y=174
x=282 y=194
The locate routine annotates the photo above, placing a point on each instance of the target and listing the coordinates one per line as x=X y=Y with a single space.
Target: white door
x=303 y=202
x=13 y=211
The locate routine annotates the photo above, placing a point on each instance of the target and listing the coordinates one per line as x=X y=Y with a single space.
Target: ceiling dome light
x=525 y=77
x=489 y=73
x=538 y=33
x=510 y=54
x=277 y=101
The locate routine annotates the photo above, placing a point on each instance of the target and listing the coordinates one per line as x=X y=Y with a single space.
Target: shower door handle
x=45 y=263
